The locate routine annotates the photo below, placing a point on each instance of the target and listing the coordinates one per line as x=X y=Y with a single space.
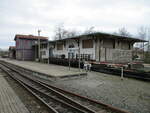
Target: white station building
x=100 y=47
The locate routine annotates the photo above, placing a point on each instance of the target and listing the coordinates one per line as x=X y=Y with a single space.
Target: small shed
x=12 y=52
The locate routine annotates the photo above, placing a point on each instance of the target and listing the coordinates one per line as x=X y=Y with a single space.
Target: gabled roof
x=30 y=37
x=107 y=36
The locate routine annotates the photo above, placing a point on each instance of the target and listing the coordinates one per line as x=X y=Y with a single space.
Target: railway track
x=56 y=99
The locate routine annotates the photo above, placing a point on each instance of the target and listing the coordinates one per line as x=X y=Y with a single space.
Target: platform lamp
x=39 y=31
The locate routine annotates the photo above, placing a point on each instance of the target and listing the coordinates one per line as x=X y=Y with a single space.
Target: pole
x=48 y=51
x=23 y=51
x=35 y=52
x=149 y=46
x=79 y=55
x=143 y=51
x=69 y=60
x=39 y=43
x=121 y=73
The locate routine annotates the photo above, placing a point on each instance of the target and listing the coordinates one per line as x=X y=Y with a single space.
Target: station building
x=100 y=47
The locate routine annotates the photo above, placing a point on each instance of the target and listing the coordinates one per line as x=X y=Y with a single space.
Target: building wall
x=44 y=53
x=24 y=50
x=90 y=51
x=103 y=49
x=24 y=43
x=106 y=51
x=25 y=54
x=68 y=42
x=116 y=55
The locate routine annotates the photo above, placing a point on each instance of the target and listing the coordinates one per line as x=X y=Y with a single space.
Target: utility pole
x=39 y=43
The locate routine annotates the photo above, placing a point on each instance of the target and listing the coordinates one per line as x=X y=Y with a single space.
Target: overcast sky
x=27 y=16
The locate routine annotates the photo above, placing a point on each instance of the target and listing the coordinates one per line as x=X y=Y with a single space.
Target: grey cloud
x=26 y=16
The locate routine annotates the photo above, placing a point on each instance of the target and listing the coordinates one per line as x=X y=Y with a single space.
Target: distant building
x=12 y=52
x=24 y=46
x=100 y=47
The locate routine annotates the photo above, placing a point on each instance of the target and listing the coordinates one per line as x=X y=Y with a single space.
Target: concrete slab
x=48 y=69
x=9 y=101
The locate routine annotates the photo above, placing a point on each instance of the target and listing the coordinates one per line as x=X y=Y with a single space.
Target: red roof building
x=24 y=46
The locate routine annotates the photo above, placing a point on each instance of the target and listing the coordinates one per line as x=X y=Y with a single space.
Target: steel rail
x=94 y=102
x=60 y=95
x=30 y=91
x=38 y=91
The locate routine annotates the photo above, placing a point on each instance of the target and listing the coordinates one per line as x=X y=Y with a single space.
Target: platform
x=48 y=69
x=9 y=101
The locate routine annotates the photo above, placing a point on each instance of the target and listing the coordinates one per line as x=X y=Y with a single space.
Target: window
x=59 y=46
x=108 y=43
x=87 y=43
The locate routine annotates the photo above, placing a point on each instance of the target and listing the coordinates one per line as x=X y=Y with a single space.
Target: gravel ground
x=130 y=94
x=29 y=101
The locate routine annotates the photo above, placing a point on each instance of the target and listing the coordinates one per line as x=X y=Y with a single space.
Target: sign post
x=79 y=59
x=71 y=51
x=121 y=73
x=69 y=60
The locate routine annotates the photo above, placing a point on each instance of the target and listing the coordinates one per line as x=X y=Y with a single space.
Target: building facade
x=24 y=46
x=99 y=47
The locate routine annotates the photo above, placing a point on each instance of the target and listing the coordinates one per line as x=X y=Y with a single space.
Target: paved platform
x=9 y=101
x=49 y=69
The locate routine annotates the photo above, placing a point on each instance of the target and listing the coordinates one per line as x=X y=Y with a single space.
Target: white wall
x=82 y=50
x=46 y=55
x=87 y=50
x=117 y=54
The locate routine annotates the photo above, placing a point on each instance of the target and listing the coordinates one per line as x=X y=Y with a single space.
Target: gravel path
x=130 y=94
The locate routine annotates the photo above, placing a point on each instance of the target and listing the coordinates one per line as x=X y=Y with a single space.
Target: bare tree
x=62 y=33
x=89 y=30
x=59 y=32
x=72 y=33
x=123 y=32
x=142 y=32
